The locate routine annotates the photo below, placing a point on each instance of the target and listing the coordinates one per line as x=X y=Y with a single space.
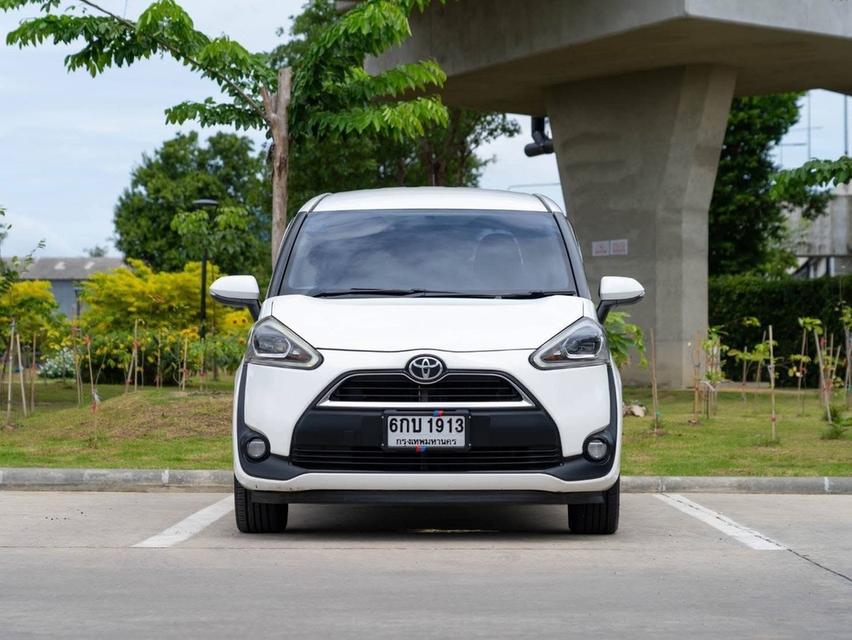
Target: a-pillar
x=637 y=157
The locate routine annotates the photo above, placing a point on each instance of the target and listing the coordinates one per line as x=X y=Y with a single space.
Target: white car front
x=474 y=373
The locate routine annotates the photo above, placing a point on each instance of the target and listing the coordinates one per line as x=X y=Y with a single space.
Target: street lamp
x=204 y=203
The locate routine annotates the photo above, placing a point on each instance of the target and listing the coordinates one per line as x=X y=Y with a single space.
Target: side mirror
x=238 y=291
x=615 y=291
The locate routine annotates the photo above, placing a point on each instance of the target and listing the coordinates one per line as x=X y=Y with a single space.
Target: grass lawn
x=735 y=441
x=150 y=428
x=166 y=428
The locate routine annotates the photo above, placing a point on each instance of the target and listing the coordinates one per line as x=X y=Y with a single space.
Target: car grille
x=378 y=459
x=396 y=387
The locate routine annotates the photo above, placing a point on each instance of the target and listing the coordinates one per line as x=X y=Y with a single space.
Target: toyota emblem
x=425 y=369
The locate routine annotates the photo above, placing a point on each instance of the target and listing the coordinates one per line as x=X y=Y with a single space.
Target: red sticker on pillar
x=618 y=247
x=600 y=248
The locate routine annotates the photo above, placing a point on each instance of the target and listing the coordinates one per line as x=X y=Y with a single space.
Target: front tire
x=257 y=517
x=597 y=519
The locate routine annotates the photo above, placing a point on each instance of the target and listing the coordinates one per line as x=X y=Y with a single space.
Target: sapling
x=771 y=369
x=654 y=397
x=846 y=320
x=820 y=344
x=33 y=373
x=714 y=352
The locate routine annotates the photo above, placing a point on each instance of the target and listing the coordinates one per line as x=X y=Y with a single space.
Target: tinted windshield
x=428 y=251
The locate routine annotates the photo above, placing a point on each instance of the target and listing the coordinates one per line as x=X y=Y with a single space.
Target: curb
x=37 y=479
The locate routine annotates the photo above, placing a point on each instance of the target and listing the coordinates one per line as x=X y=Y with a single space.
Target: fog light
x=256 y=448
x=597 y=449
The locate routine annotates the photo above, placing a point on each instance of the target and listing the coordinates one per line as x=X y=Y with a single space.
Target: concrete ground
x=697 y=565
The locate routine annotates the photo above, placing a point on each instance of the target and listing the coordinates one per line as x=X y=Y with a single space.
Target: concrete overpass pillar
x=637 y=157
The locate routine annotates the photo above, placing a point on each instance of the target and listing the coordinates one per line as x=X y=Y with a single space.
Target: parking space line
x=189 y=526
x=749 y=537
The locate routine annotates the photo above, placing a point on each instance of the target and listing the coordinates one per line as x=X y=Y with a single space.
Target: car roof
x=429 y=198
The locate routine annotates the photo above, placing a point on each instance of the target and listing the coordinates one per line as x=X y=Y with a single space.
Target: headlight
x=273 y=343
x=581 y=344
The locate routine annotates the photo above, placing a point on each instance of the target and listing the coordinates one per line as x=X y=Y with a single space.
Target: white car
x=427 y=346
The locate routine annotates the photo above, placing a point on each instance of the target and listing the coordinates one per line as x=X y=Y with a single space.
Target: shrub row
x=779 y=303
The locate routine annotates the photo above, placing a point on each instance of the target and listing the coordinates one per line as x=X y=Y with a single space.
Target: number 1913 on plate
x=425 y=431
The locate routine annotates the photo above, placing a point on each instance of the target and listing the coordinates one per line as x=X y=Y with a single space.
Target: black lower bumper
x=354 y=436
x=407 y=498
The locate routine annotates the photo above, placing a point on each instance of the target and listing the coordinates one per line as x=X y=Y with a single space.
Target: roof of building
x=428 y=198
x=69 y=268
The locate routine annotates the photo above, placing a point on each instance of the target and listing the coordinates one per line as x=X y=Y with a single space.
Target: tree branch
x=179 y=54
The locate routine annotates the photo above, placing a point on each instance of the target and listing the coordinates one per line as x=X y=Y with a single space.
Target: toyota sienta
x=427 y=346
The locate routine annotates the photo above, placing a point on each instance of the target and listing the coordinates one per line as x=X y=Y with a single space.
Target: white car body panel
x=433 y=481
x=448 y=324
x=426 y=198
x=276 y=397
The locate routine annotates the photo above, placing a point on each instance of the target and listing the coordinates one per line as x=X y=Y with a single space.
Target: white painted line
x=748 y=537
x=188 y=527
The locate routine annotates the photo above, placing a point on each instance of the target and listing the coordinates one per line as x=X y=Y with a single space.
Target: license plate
x=422 y=432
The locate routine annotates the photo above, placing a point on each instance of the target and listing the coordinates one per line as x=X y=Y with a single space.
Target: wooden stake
x=184 y=365
x=21 y=376
x=33 y=373
x=135 y=352
x=9 y=379
x=158 y=376
x=696 y=376
x=771 y=369
x=801 y=372
x=760 y=362
x=78 y=380
x=654 y=399
x=823 y=397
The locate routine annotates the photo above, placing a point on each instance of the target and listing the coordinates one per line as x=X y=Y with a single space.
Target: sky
x=69 y=142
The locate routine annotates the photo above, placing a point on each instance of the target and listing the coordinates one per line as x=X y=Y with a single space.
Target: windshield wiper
x=537 y=294
x=434 y=293
x=378 y=292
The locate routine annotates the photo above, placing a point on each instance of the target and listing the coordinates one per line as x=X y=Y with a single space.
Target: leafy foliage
x=31 y=304
x=331 y=94
x=781 y=303
x=445 y=155
x=181 y=171
x=814 y=173
x=624 y=338
x=747 y=219
x=159 y=300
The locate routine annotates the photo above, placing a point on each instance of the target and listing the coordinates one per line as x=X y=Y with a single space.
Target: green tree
x=181 y=171
x=445 y=155
x=747 y=217
x=330 y=94
x=815 y=173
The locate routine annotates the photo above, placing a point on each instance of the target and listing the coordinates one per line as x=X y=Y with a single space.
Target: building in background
x=66 y=275
x=824 y=248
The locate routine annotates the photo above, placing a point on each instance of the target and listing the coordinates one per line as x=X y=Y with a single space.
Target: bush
x=780 y=303
x=59 y=365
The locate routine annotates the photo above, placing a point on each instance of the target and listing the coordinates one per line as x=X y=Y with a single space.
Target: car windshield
x=428 y=252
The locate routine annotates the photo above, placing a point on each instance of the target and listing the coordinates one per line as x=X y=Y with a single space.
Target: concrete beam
x=501 y=55
x=637 y=158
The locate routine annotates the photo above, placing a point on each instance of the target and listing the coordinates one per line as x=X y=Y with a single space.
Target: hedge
x=779 y=303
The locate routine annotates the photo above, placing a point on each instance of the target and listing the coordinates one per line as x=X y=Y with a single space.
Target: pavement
x=172 y=565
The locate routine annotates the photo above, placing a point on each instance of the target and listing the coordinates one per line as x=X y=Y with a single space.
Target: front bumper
x=573 y=474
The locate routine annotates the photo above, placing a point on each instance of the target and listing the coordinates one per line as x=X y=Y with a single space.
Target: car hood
x=449 y=324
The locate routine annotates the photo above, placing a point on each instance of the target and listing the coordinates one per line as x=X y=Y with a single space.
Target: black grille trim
x=378 y=459
x=453 y=387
